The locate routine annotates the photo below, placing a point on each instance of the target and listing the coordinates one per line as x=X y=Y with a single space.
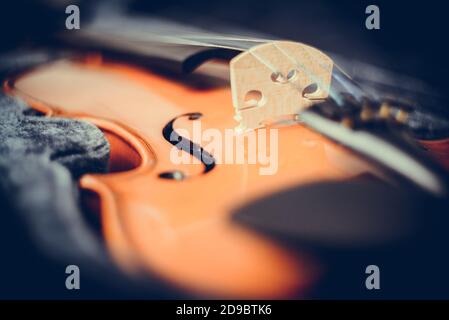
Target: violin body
x=183 y=230
x=243 y=163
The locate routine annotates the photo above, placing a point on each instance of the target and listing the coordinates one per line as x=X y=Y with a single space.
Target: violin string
x=337 y=97
x=295 y=62
x=237 y=43
x=159 y=30
x=197 y=39
x=291 y=59
x=304 y=68
x=263 y=61
x=332 y=92
x=232 y=38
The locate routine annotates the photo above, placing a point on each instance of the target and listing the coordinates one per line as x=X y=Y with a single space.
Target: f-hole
x=186 y=145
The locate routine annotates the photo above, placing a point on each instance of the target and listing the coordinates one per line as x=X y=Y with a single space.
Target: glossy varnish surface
x=182 y=230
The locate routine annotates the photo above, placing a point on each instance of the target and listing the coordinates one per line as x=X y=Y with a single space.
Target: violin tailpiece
x=277 y=79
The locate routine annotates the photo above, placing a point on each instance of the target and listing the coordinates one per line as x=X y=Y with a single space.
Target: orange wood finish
x=182 y=231
x=439 y=149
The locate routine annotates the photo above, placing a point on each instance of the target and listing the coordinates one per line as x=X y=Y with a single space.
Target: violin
x=168 y=203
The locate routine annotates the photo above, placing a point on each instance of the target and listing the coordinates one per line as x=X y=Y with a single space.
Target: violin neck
x=158 y=40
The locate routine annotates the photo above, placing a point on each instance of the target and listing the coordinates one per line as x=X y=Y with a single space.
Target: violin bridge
x=276 y=80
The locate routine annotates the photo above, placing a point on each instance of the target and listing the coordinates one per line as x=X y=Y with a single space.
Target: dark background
x=412 y=40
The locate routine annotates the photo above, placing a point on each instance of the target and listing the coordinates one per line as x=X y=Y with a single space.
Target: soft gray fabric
x=40 y=159
x=35 y=153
